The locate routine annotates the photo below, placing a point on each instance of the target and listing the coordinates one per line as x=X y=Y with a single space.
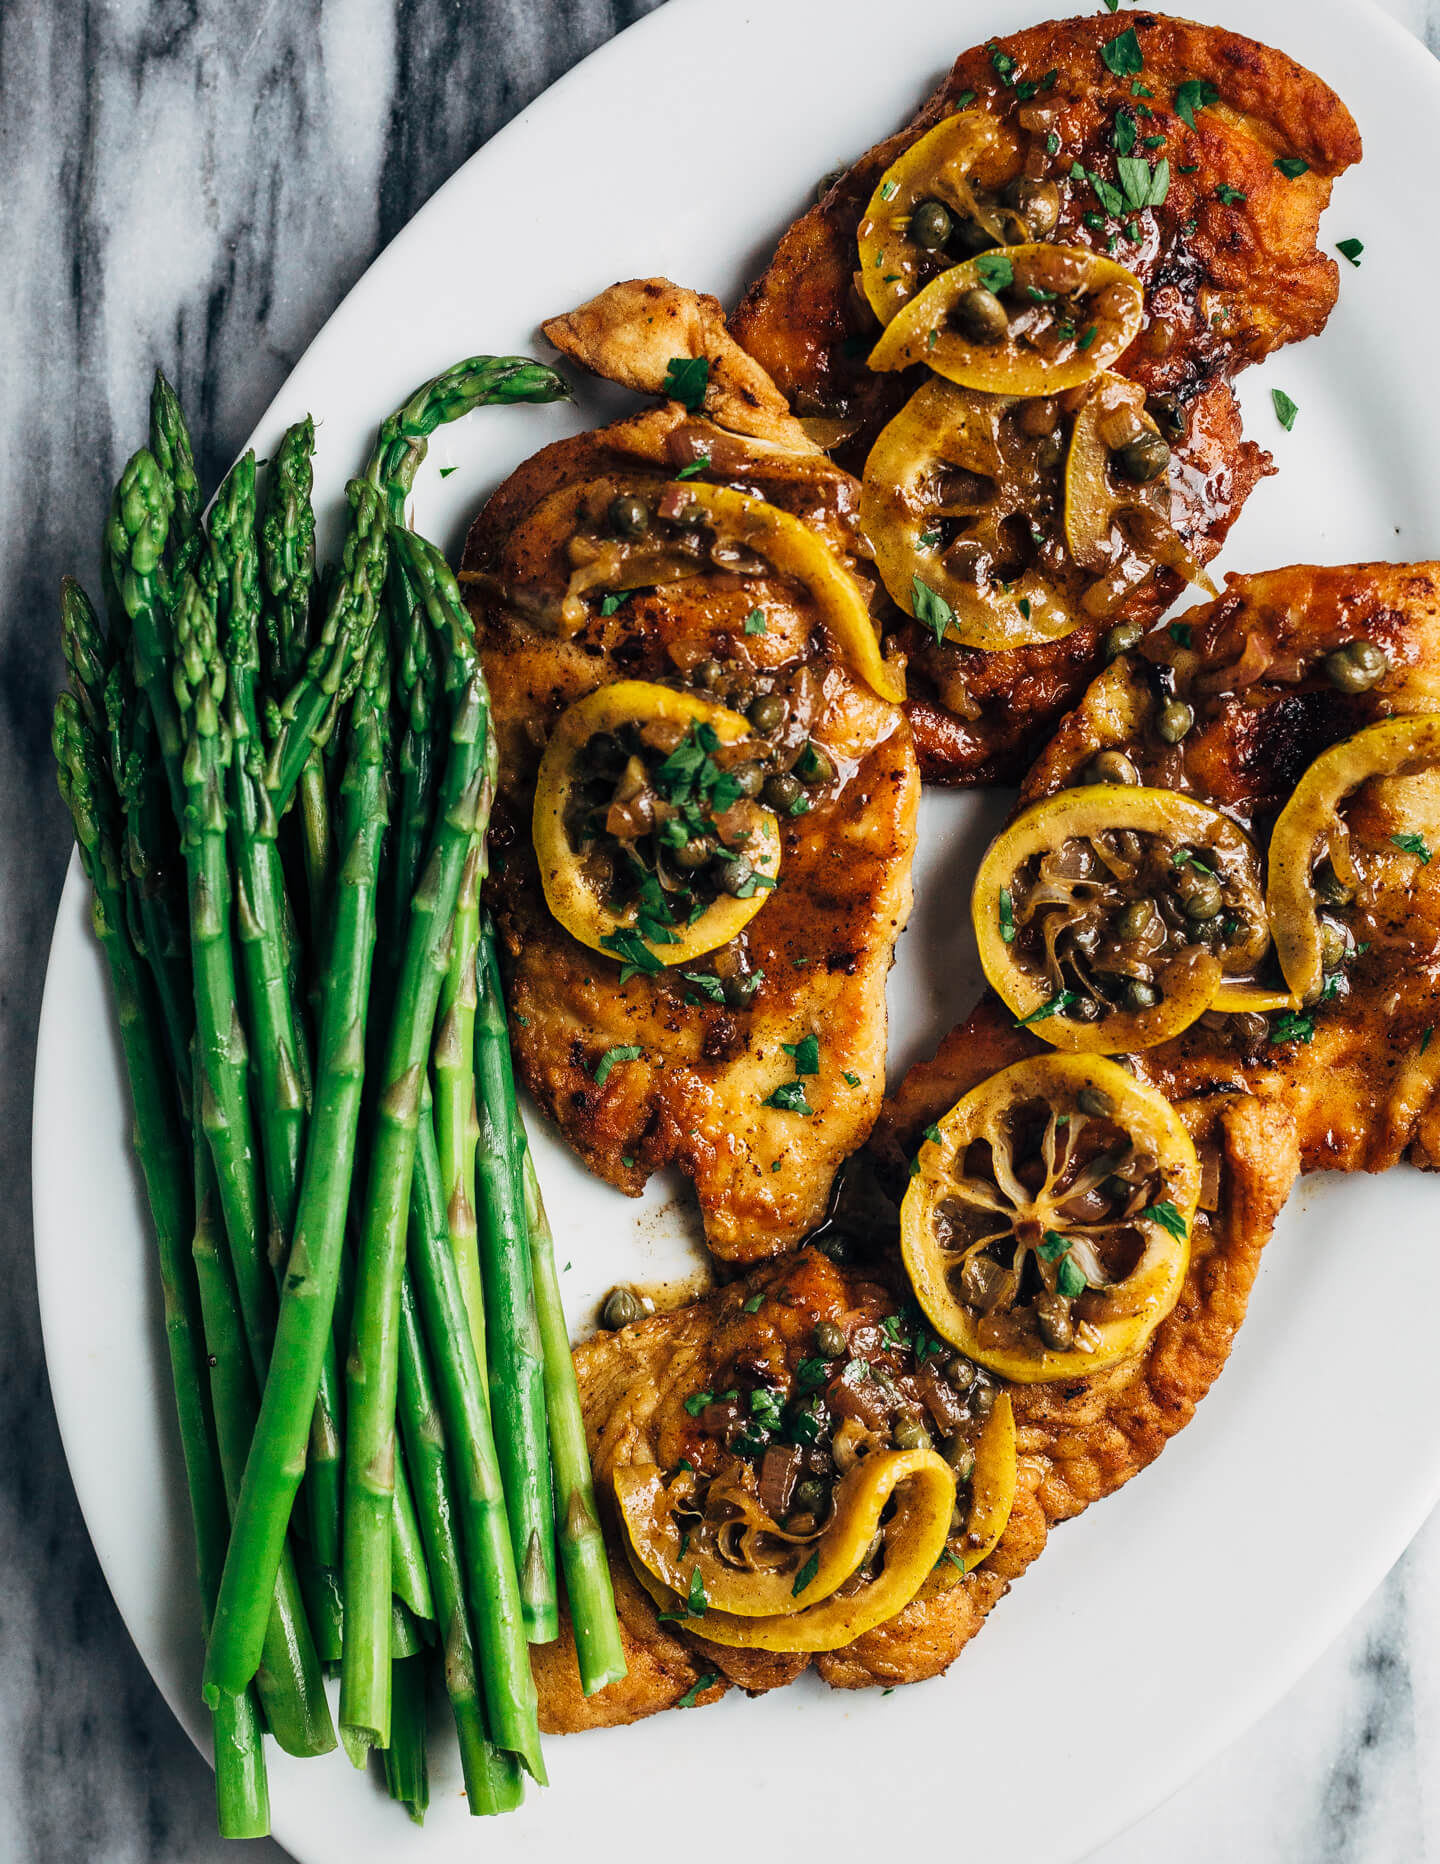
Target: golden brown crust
x=1231 y=271
x=823 y=939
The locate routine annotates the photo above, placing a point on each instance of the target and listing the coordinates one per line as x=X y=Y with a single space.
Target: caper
x=1355 y=667
x=782 y=792
x=736 y=876
x=1174 y=720
x=1168 y=414
x=1143 y=458
x=830 y=1339
x=808 y=1496
x=1141 y=996
x=961 y=1372
x=629 y=516
x=815 y=764
x=982 y=1401
x=1200 y=893
x=1334 y=946
x=827 y=182
x=910 y=1434
x=692 y=854
x=930 y=225
x=1037 y=416
x=1084 y=1010
x=981 y=317
x=1331 y=888
x=604 y=751
x=961 y=1458
x=750 y=777
x=768 y=712
x=1136 y=921
x=740 y=989
x=1094 y=1100
x=1057 y=1329
x=1037 y=201
x=1110 y=767
x=708 y=674
x=1048 y=452
x=622 y=1306
x=1122 y=637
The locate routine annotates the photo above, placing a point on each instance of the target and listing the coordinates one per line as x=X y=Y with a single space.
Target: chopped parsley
x=1194 y=94
x=1032 y=87
x=754 y=1304
x=1056 y=1006
x=629 y=1051
x=1108 y=195
x=964 y=100
x=995 y=271
x=850 y=1078
x=765 y=1406
x=694 y=468
x=629 y=1165
x=1007 y=917
x=1413 y=844
x=1124 y=133
x=1168 y=1217
x=1086 y=338
x=1052 y=1246
x=686 y=380
x=1144 y=186
x=1071 y=1279
x=445 y=471
x=805 y=1053
x=1180 y=633
x=1425 y=1039
x=1003 y=63
x=698 y=1688
x=755 y=621
x=1122 y=54
x=707 y=985
x=1232 y=197
x=932 y=611
x=1285 y=408
x=1292 y=167
x=697 y=1402
x=635 y=955
x=612 y=604
x=811 y=1374
x=695 y=1600
x=1292 y=1028
x=789 y=1097
x=1350 y=249
x=806 y=1574
x=1052 y=143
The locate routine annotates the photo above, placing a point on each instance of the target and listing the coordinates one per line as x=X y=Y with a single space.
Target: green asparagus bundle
x=384 y=1212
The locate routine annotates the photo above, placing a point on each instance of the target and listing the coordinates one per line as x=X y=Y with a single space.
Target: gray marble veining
x=198 y=185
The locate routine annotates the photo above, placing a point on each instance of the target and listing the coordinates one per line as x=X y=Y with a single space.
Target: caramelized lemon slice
x=903 y=240
x=949 y=485
x=608 y=890
x=1310 y=829
x=1046 y=1230
x=921 y=1488
x=1108 y=915
x=1117 y=497
x=1031 y=320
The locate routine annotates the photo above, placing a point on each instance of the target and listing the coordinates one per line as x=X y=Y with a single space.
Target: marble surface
x=199 y=184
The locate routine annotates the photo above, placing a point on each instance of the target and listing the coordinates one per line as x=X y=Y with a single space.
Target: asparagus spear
x=171 y=450
x=276 y=1460
x=372 y=1365
x=241 y=1790
x=511 y=1330
x=582 y=1545
x=222 y=1085
x=491 y=1580
x=407 y=1777
x=493 y=1782
x=480 y=380
x=136 y=535
x=512 y=1327
x=288 y=1678
x=456 y=1122
x=310 y=709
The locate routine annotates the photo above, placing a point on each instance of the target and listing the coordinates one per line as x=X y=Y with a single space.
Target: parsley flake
x=1350 y=249
x=1122 y=54
x=1285 y=408
x=686 y=380
x=635 y=955
x=1056 y=1006
x=789 y=1097
x=1180 y=633
x=1232 y=197
x=1292 y=167
x=1124 y=133
x=1169 y=1218
x=964 y=100
x=805 y=1053
x=850 y=1078
x=1007 y=917
x=700 y=1685
x=1413 y=844
x=1052 y=1246
x=995 y=271
x=445 y=471
x=755 y=621
x=1194 y=94
x=612 y=604
x=697 y=1402
x=754 y=1304
x=931 y=609
x=694 y=468
x=1292 y=1028
x=696 y=1601
x=1144 y=186
x=707 y=985
x=806 y=1574
x=629 y=1051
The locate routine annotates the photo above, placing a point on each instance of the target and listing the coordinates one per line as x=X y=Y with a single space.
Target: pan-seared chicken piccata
x=1196 y=160
x=700 y=884
x=847 y=1372
x=1295 y=671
